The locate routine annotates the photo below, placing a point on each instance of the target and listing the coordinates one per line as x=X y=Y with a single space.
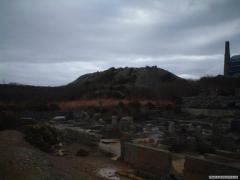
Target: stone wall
x=200 y=168
x=221 y=159
x=229 y=154
x=211 y=102
x=211 y=112
x=150 y=162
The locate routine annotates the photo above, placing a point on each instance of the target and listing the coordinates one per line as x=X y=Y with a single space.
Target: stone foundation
x=211 y=112
x=200 y=168
x=150 y=163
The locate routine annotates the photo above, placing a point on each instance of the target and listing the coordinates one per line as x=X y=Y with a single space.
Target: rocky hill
x=126 y=82
x=122 y=83
x=138 y=77
x=146 y=82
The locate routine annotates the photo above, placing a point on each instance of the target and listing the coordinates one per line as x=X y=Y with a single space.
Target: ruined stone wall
x=211 y=102
x=200 y=168
x=150 y=162
x=229 y=154
x=222 y=159
x=211 y=112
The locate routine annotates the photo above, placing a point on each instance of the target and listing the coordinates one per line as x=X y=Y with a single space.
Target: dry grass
x=65 y=105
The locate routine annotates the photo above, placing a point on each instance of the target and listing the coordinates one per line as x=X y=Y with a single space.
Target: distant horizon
x=17 y=83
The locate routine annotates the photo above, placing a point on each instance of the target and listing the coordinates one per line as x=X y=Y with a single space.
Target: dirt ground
x=19 y=160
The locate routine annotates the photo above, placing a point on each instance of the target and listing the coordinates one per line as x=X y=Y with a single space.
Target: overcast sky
x=52 y=42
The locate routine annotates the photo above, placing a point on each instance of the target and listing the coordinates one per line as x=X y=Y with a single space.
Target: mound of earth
x=123 y=82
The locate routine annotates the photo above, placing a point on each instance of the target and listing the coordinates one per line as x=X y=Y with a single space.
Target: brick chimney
x=226 y=59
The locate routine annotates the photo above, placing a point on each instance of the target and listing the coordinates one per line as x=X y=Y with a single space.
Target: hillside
x=121 y=83
x=113 y=83
x=137 y=77
x=126 y=82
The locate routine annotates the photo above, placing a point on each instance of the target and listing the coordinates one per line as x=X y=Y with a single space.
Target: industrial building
x=231 y=64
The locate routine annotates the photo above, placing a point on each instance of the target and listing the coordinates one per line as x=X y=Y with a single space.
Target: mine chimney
x=226 y=58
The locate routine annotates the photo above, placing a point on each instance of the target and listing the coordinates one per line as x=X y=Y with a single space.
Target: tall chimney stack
x=226 y=58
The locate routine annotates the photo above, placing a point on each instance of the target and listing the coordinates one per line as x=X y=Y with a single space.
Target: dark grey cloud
x=53 y=42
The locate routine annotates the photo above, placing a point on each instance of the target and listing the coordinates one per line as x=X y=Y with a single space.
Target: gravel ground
x=19 y=160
